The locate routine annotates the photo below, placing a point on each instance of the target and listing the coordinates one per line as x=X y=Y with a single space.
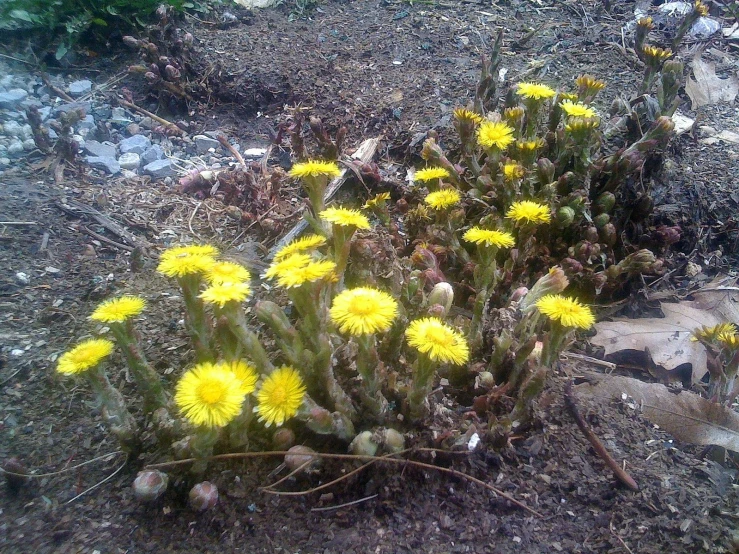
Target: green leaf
x=61 y=51
x=23 y=15
x=98 y=21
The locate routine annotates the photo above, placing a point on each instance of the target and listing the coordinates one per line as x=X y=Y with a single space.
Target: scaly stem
x=196 y=320
x=114 y=411
x=423 y=378
x=368 y=366
x=247 y=338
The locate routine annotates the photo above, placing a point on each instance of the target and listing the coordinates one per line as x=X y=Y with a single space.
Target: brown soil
x=340 y=66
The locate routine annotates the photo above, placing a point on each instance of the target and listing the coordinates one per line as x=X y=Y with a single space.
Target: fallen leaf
x=668 y=339
x=686 y=416
x=707 y=88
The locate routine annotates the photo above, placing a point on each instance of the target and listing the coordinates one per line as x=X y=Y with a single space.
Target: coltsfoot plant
x=504 y=242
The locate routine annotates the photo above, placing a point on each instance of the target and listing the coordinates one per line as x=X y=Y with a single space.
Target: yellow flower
x=438 y=341
x=513 y=171
x=363 y=310
x=304 y=244
x=714 y=332
x=221 y=293
x=514 y=115
x=191 y=250
x=280 y=396
x=646 y=22
x=315 y=168
x=244 y=372
x=527 y=211
x=701 y=8
x=535 y=91
x=489 y=237
x=529 y=145
x=431 y=174
x=577 y=125
x=567 y=311
x=227 y=272
x=590 y=83
x=84 y=356
x=494 y=134
x=345 y=217
x=118 y=310
x=576 y=109
x=299 y=269
x=463 y=114
x=209 y=395
x=184 y=263
x=729 y=340
x=571 y=96
x=442 y=199
x=378 y=199
x=656 y=55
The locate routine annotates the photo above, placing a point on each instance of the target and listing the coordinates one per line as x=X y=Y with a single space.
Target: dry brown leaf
x=668 y=338
x=686 y=416
x=707 y=88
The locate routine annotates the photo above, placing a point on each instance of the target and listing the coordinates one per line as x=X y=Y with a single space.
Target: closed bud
x=601 y=220
x=441 y=295
x=638 y=262
x=301 y=457
x=605 y=202
x=364 y=445
x=545 y=170
x=15 y=474
x=137 y=69
x=608 y=234
x=283 y=439
x=486 y=379
x=154 y=68
x=392 y=441
x=584 y=248
x=554 y=282
x=203 y=496
x=188 y=39
x=149 y=485
x=565 y=216
x=519 y=293
x=571 y=266
x=599 y=281
x=172 y=73
x=131 y=42
x=151 y=77
x=666 y=235
x=591 y=234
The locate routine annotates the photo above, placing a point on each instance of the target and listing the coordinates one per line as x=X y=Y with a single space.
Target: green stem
x=368 y=366
x=196 y=320
x=201 y=447
x=319 y=420
x=423 y=374
x=553 y=344
x=114 y=411
x=248 y=339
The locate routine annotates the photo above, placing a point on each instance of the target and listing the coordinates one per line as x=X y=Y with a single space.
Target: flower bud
x=599 y=281
x=301 y=457
x=608 y=235
x=151 y=77
x=203 y=496
x=605 y=202
x=131 y=42
x=283 y=439
x=486 y=379
x=638 y=262
x=172 y=73
x=363 y=444
x=392 y=441
x=553 y=282
x=149 y=485
x=591 y=234
x=519 y=293
x=441 y=295
x=15 y=474
x=601 y=220
x=666 y=235
x=188 y=39
x=565 y=216
x=571 y=266
x=545 y=170
x=137 y=69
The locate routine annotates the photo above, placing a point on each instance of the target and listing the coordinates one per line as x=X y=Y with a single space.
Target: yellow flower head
x=187 y=260
x=209 y=395
x=489 y=237
x=442 y=199
x=363 y=311
x=729 y=340
x=280 y=396
x=655 y=56
x=567 y=311
x=571 y=96
x=227 y=272
x=535 y=91
x=299 y=269
x=514 y=115
x=222 y=293
x=244 y=372
x=646 y=22
x=84 y=356
x=589 y=83
x=576 y=109
x=714 y=332
x=579 y=125
x=513 y=171
x=307 y=243
x=377 y=200
x=464 y=115
x=315 y=168
x=529 y=146
x=492 y=134
x=700 y=8
x=431 y=174
x=345 y=217
x=118 y=310
x=527 y=211
x=437 y=340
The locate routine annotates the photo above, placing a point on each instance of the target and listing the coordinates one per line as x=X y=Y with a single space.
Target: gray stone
x=31 y=103
x=254 y=152
x=119 y=116
x=44 y=112
x=129 y=160
x=146 y=122
x=4 y=161
x=12 y=129
x=133 y=129
x=138 y=144
x=100 y=149
x=12 y=98
x=6 y=81
x=128 y=174
x=64 y=108
x=29 y=144
x=87 y=123
x=80 y=88
x=110 y=165
x=203 y=143
x=159 y=169
x=152 y=154
x=102 y=111
x=15 y=148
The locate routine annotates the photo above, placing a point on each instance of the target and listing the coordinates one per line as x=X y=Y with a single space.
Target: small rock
x=159 y=169
x=128 y=174
x=22 y=278
x=30 y=103
x=26 y=132
x=102 y=111
x=204 y=143
x=64 y=108
x=110 y=165
x=154 y=153
x=29 y=144
x=146 y=122
x=44 y=112
x=137 y=144
x=15 y=148
x=119 y=116
x=100 y=149
x=4 y=161
x=129 y=160
x=87 y=123
x=11 y=99
x=133 y=129
x=254 y=152
x=80 y=88
x=12 y=129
